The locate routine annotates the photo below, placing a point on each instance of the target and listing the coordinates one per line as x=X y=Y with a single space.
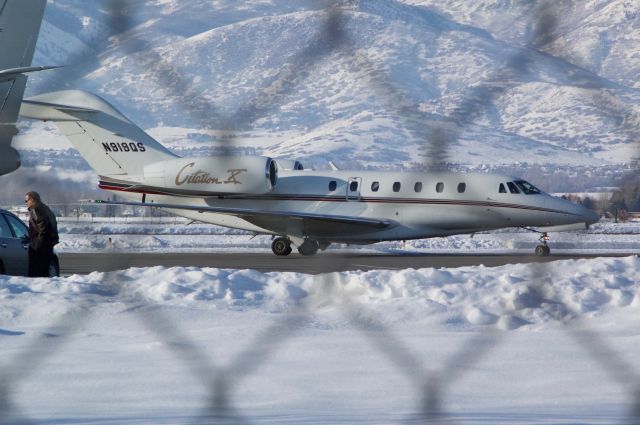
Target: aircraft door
x=353 y=188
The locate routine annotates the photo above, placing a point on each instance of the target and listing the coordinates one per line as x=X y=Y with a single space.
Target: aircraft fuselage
x=421 y=205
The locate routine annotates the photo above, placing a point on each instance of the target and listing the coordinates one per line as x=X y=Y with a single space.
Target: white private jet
x=304 y=208
x=20 y=22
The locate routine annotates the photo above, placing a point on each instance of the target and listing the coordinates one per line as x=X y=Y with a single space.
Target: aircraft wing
x=284 y=222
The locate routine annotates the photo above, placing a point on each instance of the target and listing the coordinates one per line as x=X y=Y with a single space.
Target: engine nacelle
x=213 y=175
x=289 y=164
x=9 y=160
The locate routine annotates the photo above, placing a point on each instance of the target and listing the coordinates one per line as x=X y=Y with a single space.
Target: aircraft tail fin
x=108 y=141
x=20 y=22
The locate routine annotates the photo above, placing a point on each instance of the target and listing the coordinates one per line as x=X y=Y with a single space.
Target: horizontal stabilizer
x=9 y=74
x=34 y=107
x=68 y=105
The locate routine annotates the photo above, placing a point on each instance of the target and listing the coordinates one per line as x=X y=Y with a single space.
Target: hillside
x=374 y=94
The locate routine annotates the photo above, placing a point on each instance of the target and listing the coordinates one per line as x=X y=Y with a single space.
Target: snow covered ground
x=553 y=343
x=176 y=235
x=152 y=345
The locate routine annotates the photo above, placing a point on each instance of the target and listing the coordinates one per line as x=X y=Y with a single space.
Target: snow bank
x=122 y=347
x=506 y=297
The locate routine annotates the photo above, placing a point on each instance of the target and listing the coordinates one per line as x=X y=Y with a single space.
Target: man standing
x=43 y=235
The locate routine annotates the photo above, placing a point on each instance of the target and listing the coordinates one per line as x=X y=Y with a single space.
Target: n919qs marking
x=305 y=208
x=123 y=147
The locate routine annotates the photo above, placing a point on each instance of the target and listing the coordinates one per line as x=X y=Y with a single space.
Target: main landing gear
x=281 y=246
x=543 y=249
x=308 y=247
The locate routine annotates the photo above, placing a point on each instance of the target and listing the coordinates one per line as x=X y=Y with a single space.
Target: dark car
x=14 y=247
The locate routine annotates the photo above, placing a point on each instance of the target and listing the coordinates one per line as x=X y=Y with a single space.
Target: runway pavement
x=82 y=263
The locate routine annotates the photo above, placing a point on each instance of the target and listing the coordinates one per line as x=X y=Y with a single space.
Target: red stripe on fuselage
x=320 y=198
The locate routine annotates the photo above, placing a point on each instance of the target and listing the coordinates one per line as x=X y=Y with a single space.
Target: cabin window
x=332 y=185
x=353 y=186
x=396 y=187
x=439 y=187
x=375 y=186
x=417 y=187
x=502 y=188
x=462 y=187
x=512 y=187
x=527 y=188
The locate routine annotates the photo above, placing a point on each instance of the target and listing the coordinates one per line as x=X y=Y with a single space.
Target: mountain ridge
x=422 y=57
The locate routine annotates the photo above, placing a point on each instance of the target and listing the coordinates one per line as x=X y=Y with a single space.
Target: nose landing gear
x=543 y=249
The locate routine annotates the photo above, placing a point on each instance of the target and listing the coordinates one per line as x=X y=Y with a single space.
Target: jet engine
x=9 y=160
x=215 y=175
x=289 y=164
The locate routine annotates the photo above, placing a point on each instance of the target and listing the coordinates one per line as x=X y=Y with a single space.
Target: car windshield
x=527 y=188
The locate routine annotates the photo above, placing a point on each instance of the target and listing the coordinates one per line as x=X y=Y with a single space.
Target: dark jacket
x=43 y=227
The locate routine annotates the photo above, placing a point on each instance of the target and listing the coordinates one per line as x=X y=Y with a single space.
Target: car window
x=5 y=230
x=18 y=227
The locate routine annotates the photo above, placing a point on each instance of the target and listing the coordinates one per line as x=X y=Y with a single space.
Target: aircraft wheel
x=308 y=247
x=281 y=246
x=543 y=250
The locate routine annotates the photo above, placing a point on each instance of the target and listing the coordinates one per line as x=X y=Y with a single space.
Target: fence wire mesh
x=433 y=383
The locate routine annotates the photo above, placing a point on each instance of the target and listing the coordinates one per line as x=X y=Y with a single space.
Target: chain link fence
x=432 y=384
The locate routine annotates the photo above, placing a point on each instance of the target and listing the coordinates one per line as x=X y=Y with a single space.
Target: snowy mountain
x=370 y=92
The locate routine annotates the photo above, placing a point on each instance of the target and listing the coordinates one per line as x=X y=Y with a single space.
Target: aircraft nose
x=586 y=215
x=573 y=213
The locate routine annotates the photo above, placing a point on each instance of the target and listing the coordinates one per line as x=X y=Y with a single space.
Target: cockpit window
x=502 y=188
x=512 y=187
x=527 y=188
